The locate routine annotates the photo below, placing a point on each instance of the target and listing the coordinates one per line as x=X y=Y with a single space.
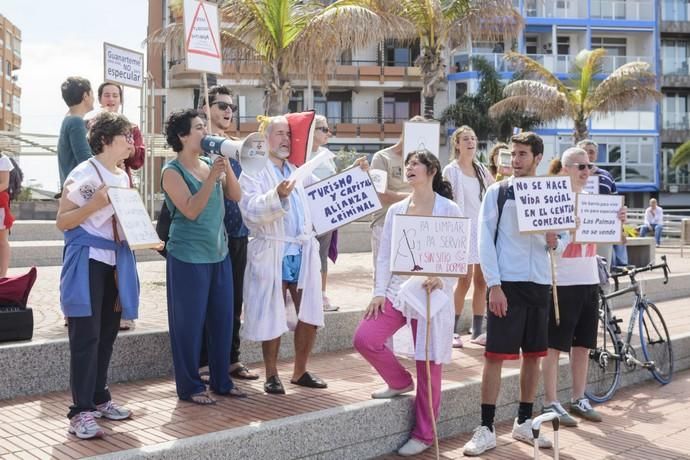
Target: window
x=335 y=106
x=531 y=44
x=398 y=55
x=400 y=107
x=674 y=57
x=8 y=40
x=672 y=176
x=296 y=103
x=674 y=108
x=15 y=105
x=675 y=10
x=460 y=90
x=628 y=159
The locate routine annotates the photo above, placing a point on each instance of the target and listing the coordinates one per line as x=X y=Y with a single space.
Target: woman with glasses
x=92 y=297
x=469 y=179
x=328 y=242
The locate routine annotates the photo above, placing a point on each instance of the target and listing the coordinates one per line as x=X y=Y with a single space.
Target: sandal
x=205 y=376
x=242 y=372
x=235 y=393
x=203 y=399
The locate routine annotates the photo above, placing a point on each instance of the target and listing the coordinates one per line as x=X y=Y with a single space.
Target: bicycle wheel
x=656 y=343
x=604 y=372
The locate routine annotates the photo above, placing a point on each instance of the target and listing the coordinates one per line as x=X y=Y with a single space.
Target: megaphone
x=251 y=152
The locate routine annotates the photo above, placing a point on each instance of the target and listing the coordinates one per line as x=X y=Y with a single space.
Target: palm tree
x=628 y=85
x=472 y=109
x=681 y=156
x=295 y=38
x=446 y=24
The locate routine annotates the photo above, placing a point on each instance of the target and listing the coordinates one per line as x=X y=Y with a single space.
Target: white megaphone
x=251 y=152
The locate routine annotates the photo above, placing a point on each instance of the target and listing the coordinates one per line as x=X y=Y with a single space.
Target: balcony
x=566 y=9
x=675 y=73
x=623 y=10
x=676 y=127
x=555 y=63
x=364 y=128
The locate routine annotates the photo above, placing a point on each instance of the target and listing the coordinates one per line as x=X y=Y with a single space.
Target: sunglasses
x=323 y=129
x=225 y=106
x=582 y=167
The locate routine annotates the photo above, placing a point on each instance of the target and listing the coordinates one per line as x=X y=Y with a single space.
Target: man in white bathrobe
x=283 y=254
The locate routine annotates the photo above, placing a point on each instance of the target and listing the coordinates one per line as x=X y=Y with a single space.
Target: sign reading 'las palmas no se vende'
x=430 y=245
x=341 y=199
x=544 y=204
x=599 y=222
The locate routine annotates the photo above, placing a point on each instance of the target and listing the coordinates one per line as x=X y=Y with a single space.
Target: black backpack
x=16 y=178
x=165 y=218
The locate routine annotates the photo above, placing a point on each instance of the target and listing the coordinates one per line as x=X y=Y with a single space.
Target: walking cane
x=557 y=312
x=428 y=370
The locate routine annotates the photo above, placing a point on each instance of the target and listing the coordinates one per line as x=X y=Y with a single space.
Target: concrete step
x=49 y=253
x=35 y=230
x=368 y=428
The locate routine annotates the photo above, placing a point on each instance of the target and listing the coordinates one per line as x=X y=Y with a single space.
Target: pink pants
x=370 y=341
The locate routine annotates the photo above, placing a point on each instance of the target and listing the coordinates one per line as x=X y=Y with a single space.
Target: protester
x=607 y=186
x=431 y=196
x=198 y=257
x=221 y=112
x=470 y=180
x=328 y=242
x=518 y=272
x=653 y=221
x=499 y=171
x=72 y=146
x=390 y=160
x=275 y=210
x=92 y=298
x=577 y=276
x=110 y=97
x=6 y=217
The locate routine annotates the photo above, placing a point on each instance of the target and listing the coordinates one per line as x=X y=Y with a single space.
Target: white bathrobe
x=263 y=212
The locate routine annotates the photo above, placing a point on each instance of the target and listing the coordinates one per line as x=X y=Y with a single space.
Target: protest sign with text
x=341 y=199
x=592 y=185
x=418 y=135
x=202 y=37
x=430 y=245
x=133 y=218
x=598 y=215
x=544 y=204
x=122 y=66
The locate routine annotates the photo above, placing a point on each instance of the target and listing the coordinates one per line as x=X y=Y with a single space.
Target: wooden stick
x=428 y=370
x=209 y=122
x=557 y=310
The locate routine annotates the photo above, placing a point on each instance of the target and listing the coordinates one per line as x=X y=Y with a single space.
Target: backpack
x=16 y=178
x=165 y=218
x=500 y=202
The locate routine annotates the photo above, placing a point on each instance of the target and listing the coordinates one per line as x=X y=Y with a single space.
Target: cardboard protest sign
x=202 y=37
x=544 y=204
x=122 y=66
x=133 y=218
x=598 y=215
x=430 y=245
x=419 y=135
x=341 y=199
x=592 y=185
x=380 y=179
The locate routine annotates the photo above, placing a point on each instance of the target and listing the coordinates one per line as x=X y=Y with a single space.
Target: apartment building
x=371 y=91
x=10 y=61
x=555 y=31
x=674 y=28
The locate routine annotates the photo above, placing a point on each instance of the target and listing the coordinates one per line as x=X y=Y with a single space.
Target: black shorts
x=525 y=326
x=579 y=312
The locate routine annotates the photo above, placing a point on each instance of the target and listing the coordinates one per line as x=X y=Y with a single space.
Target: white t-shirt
x=577 y=265
x=5 y=164
x=82 y=172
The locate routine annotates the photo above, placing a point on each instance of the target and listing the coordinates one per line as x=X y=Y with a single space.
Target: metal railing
x=673 y=220
x=556 y=63
x=676 y=120
x=623 y=10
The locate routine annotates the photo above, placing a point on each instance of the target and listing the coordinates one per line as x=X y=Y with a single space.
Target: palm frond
x=531 y=68
x=587 y=64
x=531 y=98
x=681 y=156
x=487 y=20
x=627 y=86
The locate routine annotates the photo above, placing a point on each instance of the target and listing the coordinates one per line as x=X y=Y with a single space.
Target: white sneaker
x=482 y=440
x=111 y=411
x=523 y=432
x=388 y=392
x=413 y=447
x=84 y=426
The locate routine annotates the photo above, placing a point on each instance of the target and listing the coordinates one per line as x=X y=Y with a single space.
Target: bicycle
x=612 y=352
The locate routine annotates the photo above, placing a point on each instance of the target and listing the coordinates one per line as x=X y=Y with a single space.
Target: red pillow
x=301 y=136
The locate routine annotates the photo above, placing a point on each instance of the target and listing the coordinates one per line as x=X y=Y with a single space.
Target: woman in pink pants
x=431 y=196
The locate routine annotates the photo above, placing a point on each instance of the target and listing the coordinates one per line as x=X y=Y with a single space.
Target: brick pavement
x=35 y=427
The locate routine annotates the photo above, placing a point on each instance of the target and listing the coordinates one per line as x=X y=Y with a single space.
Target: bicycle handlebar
x=630 y=273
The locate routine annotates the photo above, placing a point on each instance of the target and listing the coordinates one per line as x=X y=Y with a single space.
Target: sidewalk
x=349 y=286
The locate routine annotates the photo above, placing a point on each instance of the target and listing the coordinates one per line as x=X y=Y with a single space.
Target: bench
x=641 y=250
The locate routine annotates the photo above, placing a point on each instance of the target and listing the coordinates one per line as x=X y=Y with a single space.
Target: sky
x=64 y=38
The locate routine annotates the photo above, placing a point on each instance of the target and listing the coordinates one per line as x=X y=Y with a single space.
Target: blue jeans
x=658 y=228
x=620 y=256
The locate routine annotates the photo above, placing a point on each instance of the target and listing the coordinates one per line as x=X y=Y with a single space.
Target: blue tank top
x=203 y=240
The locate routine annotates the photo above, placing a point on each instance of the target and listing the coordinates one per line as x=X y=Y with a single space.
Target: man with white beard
x=283 y=254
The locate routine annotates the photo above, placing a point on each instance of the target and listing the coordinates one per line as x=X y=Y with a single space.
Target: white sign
x=308 y=168
x=380 y=179
x=592 y=185
x=202 y=37
x=430 y=245
x=122 y=66
x=341 y=199
x=598 y=215
x=133 y=218
x=544 y=204
x=418 y=135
